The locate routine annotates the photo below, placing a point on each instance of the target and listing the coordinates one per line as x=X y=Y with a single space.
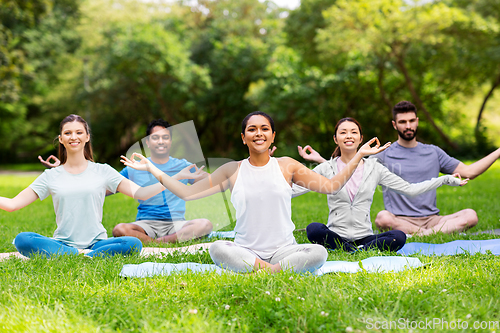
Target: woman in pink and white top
x=349 y=226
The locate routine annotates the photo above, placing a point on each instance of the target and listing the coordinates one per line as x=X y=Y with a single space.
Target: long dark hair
x=336 y=152
x=87 y=151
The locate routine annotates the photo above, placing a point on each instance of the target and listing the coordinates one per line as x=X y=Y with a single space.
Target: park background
x=121 y=63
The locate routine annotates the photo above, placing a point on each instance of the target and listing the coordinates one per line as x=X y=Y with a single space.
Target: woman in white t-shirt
x=78 y=188
x=261 y=192
x=349 y=226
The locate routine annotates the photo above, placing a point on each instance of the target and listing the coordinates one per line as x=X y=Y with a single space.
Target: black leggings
x=318 y=233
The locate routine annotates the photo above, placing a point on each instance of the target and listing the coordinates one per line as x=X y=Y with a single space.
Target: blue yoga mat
x=452 y=248
x=149 y=269
x=222 y=234
x=372 y=265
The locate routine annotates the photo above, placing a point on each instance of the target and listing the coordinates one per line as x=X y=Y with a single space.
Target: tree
x=488 y=59
x=144 y=72
x=415 y=41
x=35 y=37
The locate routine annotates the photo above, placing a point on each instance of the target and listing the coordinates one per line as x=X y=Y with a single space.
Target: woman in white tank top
x=261 y=194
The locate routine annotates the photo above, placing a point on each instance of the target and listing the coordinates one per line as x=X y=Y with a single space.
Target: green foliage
x=146 y=73
x=302 y=27
x=122 y=63
x=35 y=38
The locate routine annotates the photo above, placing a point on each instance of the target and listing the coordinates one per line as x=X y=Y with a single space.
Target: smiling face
x=348 y=137
x=258 y=134
x=159 y=142
x=406 y=124
x=74 y=137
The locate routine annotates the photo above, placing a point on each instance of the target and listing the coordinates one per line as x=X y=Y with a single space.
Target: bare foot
x=167 y=239
x=425 y=232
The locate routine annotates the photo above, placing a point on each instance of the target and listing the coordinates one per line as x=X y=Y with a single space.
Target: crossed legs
x=318 y=233
x=30 y=243
x=456 y=222
x=189 y=230
x=296 y=257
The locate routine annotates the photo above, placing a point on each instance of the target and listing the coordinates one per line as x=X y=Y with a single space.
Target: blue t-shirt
x=415 y=165
x=164 y=206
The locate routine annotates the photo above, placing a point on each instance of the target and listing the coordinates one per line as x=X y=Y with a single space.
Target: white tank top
x=263 y=201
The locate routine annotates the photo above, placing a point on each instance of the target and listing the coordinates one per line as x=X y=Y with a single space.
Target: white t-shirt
x=78 y=201
x=263 y=201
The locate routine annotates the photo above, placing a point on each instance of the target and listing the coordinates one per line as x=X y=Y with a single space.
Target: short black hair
x=256 y=113
x=403 y=107
x=158 y=122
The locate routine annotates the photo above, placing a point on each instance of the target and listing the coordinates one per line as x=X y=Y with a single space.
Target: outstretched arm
x=23 y=199
x=219 y=181
x=477 y=168
x=131 y=189
x=304 y=177
x=401 y=186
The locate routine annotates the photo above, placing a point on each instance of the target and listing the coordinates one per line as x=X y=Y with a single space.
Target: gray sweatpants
x=297 y=257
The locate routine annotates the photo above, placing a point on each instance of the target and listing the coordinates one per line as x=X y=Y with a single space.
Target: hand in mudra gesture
x=367 y=148
x=142 y=164
x=192 y=172
x=462 y=181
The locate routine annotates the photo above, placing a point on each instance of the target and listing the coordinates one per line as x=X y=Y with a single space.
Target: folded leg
x=120 y=245
x=228 y=255
x=31 y=243
x=387 y=241
x=300 y=257
x=318 y=233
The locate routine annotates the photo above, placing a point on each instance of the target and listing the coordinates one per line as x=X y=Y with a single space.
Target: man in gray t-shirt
x=416 y=162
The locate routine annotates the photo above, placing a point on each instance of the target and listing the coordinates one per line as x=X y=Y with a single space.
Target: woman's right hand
x=143 y=164
x=367 y=149
x=197 y=174
x=312 y=156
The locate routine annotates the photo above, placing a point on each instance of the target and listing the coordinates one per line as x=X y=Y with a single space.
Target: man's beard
x=410 y=135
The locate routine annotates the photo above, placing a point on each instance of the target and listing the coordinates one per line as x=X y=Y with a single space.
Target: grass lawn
x=78 y=294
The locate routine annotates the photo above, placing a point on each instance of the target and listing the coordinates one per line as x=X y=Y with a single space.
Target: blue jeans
x=30 y=243
x=318 y=233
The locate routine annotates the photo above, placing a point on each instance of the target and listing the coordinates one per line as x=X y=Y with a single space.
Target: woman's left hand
x=462 y=181
x=367 y=149
x=143 y=164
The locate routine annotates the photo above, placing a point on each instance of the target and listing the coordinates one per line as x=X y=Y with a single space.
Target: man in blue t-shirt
x=416 y=162
x=161 y=218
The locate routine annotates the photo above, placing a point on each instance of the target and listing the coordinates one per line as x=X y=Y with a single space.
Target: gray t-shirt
x=415 y=165
x=78 y=201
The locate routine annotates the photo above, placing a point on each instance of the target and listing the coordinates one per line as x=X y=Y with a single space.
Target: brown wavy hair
x=336 y=152
x=87 y=151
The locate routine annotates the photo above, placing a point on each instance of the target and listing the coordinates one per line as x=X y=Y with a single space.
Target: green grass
x=77 y=294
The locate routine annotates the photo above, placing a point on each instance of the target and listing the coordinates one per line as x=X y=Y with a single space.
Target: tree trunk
x=419 y=102
x=495 y=84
